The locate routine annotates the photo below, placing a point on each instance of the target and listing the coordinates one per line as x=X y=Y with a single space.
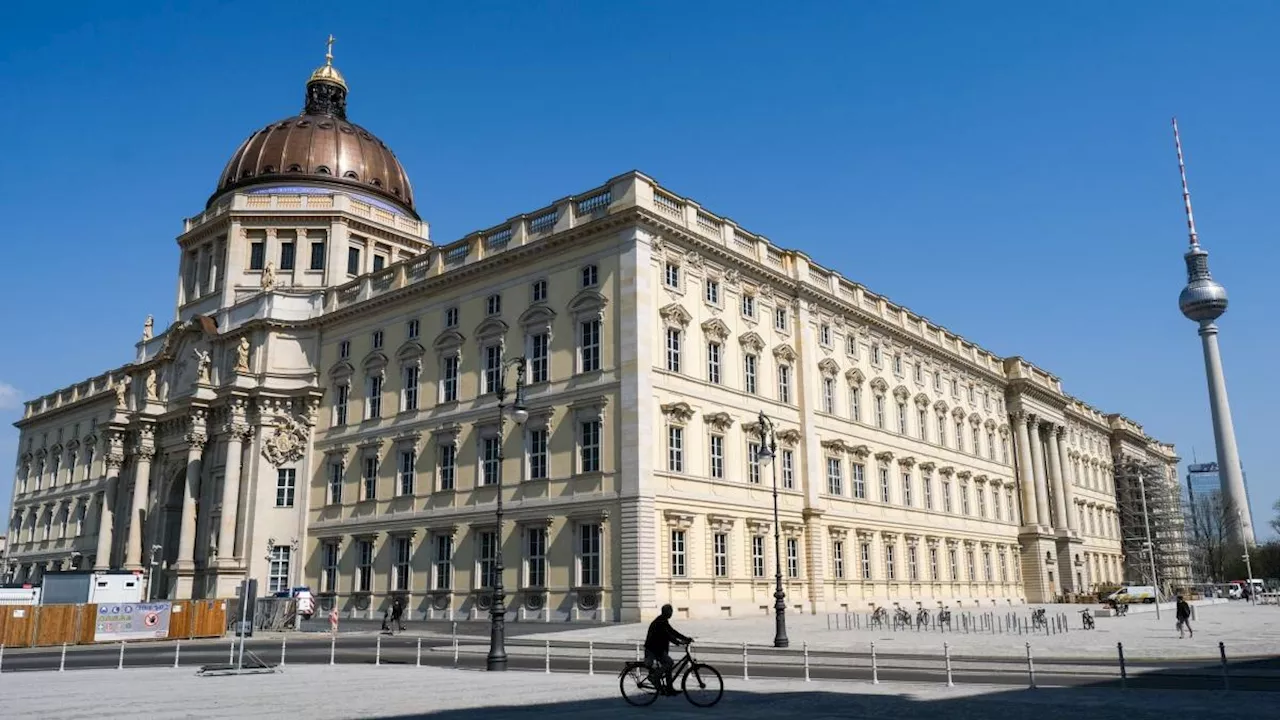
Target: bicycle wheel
x=637 y=688
x=707 y=687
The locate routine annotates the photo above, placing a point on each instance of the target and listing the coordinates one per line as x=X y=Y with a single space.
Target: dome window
x=376 y=182
x=294 y=168
x=326 y=125
x=246 y=173
x=351 y=174
x=304 y=123
x=268 y=169
x=323 y=170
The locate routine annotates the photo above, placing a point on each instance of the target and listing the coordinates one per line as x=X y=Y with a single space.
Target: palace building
x=322 y=410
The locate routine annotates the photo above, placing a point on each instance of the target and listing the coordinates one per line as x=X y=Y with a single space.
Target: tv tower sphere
x=1203 y=299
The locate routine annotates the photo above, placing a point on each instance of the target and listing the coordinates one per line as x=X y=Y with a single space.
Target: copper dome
x=319 y=145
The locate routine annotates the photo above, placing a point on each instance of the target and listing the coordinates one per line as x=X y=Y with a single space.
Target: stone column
x=1026 y=479
x=1068 y=488
x=237 y=433
x=143 y=454
x=1061 y=508
x=106 y=513
x=196 y=439
x=1038 y=469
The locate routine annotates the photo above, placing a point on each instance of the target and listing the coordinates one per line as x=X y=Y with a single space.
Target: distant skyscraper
x=1204 y=300
x=1204 y=480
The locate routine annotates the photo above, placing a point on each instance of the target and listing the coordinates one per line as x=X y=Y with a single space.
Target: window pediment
x=588 y=302
x=940 y=406
x=790 y=436
x=855 y=377
x=341 y=370
x=678 y=412
x=958 y=413
x=901 y=393
x=975 y=419
x=675 y=314
x=784 y=353
x=538 y=316
x=715 y=328
x=829 y=367
x=836 y=445
x=990 y=424
x=490 y=329
x=374 y=362
x=879 y=385
x=922 y=400
x=448 y=340
x=720 y=421
x=410 y=351
x=862 y=451
x=751 y=341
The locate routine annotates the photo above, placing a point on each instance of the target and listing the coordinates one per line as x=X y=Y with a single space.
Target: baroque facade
x=322 y=411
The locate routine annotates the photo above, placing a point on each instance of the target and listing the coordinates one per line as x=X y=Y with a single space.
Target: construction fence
x=23 y=626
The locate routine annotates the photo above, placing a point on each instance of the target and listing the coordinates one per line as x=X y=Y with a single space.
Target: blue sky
x=1005 y=169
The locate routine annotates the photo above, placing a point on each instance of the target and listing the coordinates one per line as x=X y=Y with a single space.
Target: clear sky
x=1005 y=169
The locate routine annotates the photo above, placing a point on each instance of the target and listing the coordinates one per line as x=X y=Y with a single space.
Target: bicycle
x=880 y=617
x=1038 y=619
x=706 y=689
x=922 y=619
x=901 y=618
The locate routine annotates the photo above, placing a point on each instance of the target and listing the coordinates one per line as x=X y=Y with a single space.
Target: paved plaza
x=1246 y=630
x=322 y=693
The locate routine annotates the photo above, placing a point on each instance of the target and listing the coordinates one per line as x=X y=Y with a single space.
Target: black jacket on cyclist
x=660 y=636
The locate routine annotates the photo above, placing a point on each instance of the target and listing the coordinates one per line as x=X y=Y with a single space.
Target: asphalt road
x=437 y=651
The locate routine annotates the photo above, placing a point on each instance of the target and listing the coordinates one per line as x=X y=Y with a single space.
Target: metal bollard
x=745 y=675
x=62 y=663
x=1031 y=667
x=829 y=623
x=377 y=655
x=875 y=671
x=638 y=657
x=120 y=662
x=333 y=646
x=1 y=656
x=591 y=657
x=177 y=653
x=806 y=662
x=547 y=656
x=283 y=643
x=417 y=658
x=231 y=651
x=455 y=649
x=1226 y=680
x=1124 y=673
x=946 y=650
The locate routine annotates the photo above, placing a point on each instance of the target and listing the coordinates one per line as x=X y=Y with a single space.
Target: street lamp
x=765 y=455
x=1151 y=549
x=151 y=571
x=497 y=658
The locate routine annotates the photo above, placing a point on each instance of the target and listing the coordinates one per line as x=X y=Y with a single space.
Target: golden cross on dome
x=328 y=55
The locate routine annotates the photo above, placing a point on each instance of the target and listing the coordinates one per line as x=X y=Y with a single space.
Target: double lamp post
x=497 y=657
x=765 y=456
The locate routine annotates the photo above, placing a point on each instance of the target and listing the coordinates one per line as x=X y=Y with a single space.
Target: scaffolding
x=1152 y=526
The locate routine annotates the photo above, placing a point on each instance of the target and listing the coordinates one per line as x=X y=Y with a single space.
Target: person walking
x=397 y=612
x=1183 y=613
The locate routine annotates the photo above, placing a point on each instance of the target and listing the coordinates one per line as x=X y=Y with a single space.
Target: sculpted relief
x=286 y=443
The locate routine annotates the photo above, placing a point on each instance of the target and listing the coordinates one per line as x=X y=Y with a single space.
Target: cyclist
x=657 y=646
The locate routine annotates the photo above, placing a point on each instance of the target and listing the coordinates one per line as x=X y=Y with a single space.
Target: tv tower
x=1204 y=300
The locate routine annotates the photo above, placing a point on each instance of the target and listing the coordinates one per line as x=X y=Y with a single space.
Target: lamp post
x=765 y=455
x=151 y=571
x=497 y=658
x=1151 y=549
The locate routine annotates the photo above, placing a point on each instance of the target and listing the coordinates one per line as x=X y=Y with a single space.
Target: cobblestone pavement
x=321 y=693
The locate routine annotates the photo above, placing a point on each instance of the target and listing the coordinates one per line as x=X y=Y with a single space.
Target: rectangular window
x=448 y=466
x=890 y=569
x=981 y=492
x=492 y=367
x=884 y=484
x=864 y=556
x=451 y=317
x=902 y=418
x=1004 y=451
x=373 y=404
x=673 y=350
x=906 y=488
x=364 y=566
x=589 y=555
x=539 y=290
x=335 y=483
x=412 y=329
x=400 y=577
x=918 y=372
x=493 y=304
x=370 y=478
x=829 y=395
x=713 y=292
x=855 y=404
x=713 y=362
x=927 y=481
x=677 y=553
x=942 y=429
x=443 y=563
x=757 y=556
x=937 y=382
x=968 y=556
x=377 y=339
x=286 y=486
x=288 y=255
x=675 y=449
x=353 y=261
x=410 y=396
x=788 y=470
x=946 y=496
x=748 y=305
x=344 y=349
x=590 y=446
x=793 y=557
x=717 y=457
x=837 y=559
x=535 y=558
x=449 y=380
x=1004 y=568
x=922 y=423
x=257 y=255
x=933 y=564
x=960 y=435
x=408 y=463
x=835 y=477
x=875 y=354
x=278 y=573
x=784 y=383
x=851 y=345
x=589 y=345
x=537 y=454
x=897 y=364
x=879 y=405
x=953 y=559
x=976 y=437
x=913 y=569
x=964 y=498
x=859 y=474
x=991 y=445
x=490 y=469
x=487 y=558
x=749 y=363
x=720 y=555
x=824 y=334
x=986 y=565
x=539 y=357
x=379 y=262
x=753 y=463
x=590 y=276
x=671 y=275
x=780 y=318
x=329 y=572
x=317 y=256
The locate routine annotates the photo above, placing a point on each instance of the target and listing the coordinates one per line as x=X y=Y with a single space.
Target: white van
x=1130 y=594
